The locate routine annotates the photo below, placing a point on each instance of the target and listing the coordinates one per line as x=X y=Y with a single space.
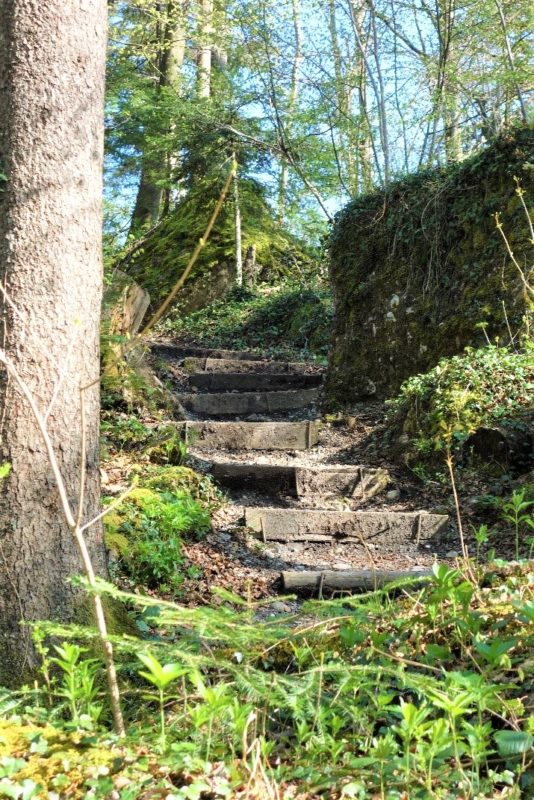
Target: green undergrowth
x=146 y=532
x=492 y=387
x=287 y=321
x=425 y=691
x=167 y=506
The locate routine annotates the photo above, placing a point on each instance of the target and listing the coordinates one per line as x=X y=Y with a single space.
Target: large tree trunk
x=51 y=107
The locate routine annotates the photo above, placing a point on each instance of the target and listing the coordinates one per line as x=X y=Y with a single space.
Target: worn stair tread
x=220 y=435
x=178 y=352
x=384 y=528
x=247 y=403
x=252 y=381
x=222 y=365
x=302 y=481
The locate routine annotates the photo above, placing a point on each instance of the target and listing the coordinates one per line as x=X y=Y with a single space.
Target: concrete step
x=193 y=365
x=383 y=529
x=251 y=435
x=252 y=381
x=301 y=482
x=247 y=403
x=178 y=352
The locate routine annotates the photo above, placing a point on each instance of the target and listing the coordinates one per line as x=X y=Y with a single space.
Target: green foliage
x=415 y=695
x=517 y=511
x=490 y=386
x=78 y=686
x=123 y=432
x=160 y=676
x=160 y=443
x=289 y=320
x=152 y=524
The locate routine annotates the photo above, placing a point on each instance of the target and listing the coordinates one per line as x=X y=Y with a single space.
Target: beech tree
x=52 y=63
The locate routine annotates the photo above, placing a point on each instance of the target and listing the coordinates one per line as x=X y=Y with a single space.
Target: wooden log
x=125 y=305
x=363 y=580
x=253 y=381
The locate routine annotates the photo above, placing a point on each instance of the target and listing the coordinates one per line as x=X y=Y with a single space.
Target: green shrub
x=146 y=534
x=485 y=387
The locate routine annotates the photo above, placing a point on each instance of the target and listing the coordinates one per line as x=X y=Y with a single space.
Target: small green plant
x=147 y=531
x=160 y=676
x=78 y=686
x=167 y=447
x=516 y=511
x=482 y=536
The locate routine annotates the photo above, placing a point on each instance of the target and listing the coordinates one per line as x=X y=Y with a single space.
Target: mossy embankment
x=157 y=261
x=420 y=271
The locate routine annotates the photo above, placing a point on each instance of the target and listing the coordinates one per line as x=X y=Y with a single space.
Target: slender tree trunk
x=366 y=146
x=153 y=196
x=292 y=100
x=345 y=84
x=204 y=56
x=148 y=200
x=511 y=60
x=51 y=106
x=238 y=244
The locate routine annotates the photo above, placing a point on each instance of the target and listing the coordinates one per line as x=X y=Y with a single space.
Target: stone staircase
x=254 y=426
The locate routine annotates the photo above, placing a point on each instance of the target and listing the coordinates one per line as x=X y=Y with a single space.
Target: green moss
x=420 y=271
x=158 y=264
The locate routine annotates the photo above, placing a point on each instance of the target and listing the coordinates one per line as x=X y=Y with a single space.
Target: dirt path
x=302 y=494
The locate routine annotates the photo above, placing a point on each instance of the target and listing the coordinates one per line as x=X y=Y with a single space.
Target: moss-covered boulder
x=420 y=271
x=157 y=262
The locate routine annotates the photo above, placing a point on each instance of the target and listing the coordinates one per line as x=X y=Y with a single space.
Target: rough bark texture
x=52 y=59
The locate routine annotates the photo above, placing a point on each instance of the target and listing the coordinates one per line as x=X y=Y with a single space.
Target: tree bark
x=51 y=142
x=205 y=52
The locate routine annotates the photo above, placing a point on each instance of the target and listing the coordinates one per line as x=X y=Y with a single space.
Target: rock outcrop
x=420 y=271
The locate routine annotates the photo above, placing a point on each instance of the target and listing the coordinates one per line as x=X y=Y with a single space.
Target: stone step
x=178 y=352
x=387 y=530
x=301 y=482
x=247 y=403
x=252 y=381
x=251 y=435
x=193 y=365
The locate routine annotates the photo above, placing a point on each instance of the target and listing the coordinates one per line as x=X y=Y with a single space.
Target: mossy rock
x=164 y=254
x=420 y=271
